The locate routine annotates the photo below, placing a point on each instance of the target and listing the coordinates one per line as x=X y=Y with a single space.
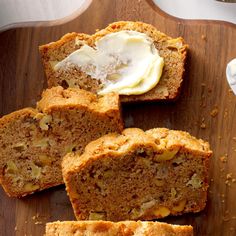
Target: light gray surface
x=199 y=9
x=15 y=13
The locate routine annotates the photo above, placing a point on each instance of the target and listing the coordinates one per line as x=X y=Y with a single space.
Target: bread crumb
x=223 y=159
x=214 y=112
x=203 y=37
x=226 y=113
x=234 y=138
x=222 y=170
x=97 y=30
x=203 y=125
x=15 y=228
x=229 y=176
x=203 y=84
x=38 y=223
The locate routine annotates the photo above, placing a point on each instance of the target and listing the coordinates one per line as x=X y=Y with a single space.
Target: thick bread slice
x=172 y=50
x=123 y=228
x=138 y=175
x=33 y=141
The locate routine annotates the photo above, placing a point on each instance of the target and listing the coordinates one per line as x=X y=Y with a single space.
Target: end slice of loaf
x=138 y=176
x=33 y=141
x=123 y=228
x=173 y=50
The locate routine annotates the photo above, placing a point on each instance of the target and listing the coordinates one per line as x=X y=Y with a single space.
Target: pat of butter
x=125 y=62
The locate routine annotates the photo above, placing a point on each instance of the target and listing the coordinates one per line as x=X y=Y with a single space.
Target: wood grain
x=212 y=45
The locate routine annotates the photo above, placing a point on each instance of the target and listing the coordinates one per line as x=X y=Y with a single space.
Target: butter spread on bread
x=125 y=62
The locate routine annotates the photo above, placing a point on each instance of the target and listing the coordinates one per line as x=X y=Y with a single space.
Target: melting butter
x=126 y=62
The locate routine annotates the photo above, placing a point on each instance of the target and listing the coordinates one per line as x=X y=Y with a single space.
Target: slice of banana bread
x=33 y=141
x=138 y=175
x=172 y=50
x=123 y=228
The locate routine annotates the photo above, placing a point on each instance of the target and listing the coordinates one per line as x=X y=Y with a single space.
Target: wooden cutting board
x=206 y=109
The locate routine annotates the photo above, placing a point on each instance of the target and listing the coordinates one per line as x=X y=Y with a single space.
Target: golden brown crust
x=28 y=111
x=173 y=51
x=159 y=172
x=58 y=97
x=159 y=139
x=123 y=228
x=33 y=141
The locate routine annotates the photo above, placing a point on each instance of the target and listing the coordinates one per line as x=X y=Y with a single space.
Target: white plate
x=17 y=13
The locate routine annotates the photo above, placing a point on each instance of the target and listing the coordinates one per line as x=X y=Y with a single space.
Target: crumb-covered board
x=206 y=108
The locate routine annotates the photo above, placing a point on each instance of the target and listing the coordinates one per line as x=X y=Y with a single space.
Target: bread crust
x=123 y=228
x=174 y=52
